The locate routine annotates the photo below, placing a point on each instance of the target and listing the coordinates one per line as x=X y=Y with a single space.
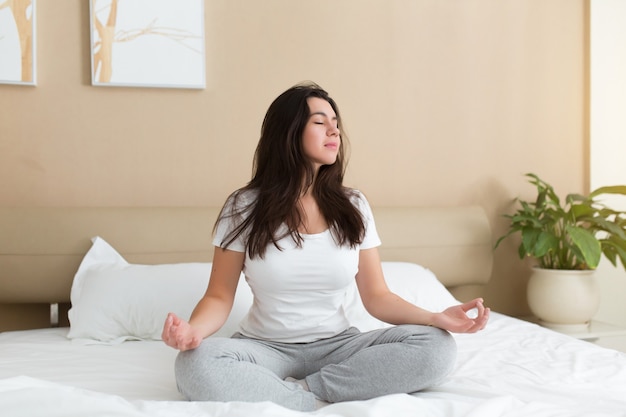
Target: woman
x=300 y=237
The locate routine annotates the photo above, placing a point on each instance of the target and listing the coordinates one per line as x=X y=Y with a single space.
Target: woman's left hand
x=455 y=319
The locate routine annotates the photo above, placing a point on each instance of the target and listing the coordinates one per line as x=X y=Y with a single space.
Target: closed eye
x=325 y=116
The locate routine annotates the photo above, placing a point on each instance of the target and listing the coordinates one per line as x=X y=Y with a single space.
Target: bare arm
x=213 y=309
x=383 y=304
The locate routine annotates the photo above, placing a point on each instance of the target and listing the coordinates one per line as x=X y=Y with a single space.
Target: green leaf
x=574 y=197
x=541 y=197
x=588 y=245
x=546 y=242
x=614 y=248
x=611 y=189
x=521 y=251
x=610 y=251
x=600 y=223
x=529 y=238
x=582 y=210
x=573 y=235
x=509 y=233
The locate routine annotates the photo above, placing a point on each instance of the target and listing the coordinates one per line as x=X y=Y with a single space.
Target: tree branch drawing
x=23 y=15
x=108 y=35
x=103 y=48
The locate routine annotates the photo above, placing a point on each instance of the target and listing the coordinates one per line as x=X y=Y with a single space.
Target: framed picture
x=17 y=42
x=147 y=43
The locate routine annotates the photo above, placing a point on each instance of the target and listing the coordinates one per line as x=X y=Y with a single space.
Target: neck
x=312 y=220
x=307 y=189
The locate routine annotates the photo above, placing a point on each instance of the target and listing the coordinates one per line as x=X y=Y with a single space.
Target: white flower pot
x=563 y=299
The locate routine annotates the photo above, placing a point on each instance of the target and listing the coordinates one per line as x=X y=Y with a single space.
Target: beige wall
x=446 y=102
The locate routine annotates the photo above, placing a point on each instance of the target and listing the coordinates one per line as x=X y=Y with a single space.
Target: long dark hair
x=282 y=172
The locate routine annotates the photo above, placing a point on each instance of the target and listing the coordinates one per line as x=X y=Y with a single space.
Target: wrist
x=432 y=319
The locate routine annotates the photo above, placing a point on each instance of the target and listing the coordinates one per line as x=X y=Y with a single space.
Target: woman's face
x=321 y=139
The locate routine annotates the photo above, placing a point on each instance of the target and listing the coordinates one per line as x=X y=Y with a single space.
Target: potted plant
x=567 y=240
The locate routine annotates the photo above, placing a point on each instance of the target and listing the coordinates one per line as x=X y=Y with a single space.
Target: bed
x=120 y=268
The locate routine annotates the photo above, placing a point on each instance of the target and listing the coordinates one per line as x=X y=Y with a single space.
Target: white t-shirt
x=299 y=292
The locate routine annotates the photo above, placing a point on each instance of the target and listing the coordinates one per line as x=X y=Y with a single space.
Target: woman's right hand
x=213 y=308
x=179 y=334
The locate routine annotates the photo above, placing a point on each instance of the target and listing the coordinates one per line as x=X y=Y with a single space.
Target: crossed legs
x=349 y=366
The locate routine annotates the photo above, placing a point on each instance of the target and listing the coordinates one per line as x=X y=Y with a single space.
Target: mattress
x=512 y=368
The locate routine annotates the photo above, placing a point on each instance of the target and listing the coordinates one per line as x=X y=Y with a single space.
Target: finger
x=486 y=318
x=175 y=336
x=481 y=308
x=181 y=342
x=478 y=302
x=482 y=322
x=189 y=344
x=166 y=327
x=194 y=342
x=470 y=304
x=175 y=319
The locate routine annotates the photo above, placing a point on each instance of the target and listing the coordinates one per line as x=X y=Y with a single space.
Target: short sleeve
x=228 y=221
x=371 y=238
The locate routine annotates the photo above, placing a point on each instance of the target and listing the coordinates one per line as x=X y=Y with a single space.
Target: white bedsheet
x=512 y=368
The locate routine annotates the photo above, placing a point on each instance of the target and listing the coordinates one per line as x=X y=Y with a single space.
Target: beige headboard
x=41 y=248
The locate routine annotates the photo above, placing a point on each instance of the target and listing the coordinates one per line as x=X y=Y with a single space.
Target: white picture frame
x=18 y=42
x=147 y=43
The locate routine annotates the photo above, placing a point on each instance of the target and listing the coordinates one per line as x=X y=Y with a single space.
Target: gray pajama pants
x=349 y=366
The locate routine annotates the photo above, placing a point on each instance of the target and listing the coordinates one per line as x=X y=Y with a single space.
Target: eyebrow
x=321 y=113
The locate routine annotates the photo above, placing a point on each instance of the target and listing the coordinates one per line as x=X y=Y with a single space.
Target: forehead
x=320 y=106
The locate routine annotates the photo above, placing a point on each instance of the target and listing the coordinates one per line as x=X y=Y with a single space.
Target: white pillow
x=113 y=300
x=414 y=283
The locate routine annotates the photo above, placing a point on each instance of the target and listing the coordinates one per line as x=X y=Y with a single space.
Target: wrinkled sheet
x=512 y=368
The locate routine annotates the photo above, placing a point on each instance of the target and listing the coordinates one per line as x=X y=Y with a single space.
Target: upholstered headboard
x=41 y=248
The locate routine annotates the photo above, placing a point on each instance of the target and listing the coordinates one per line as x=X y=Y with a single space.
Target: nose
x=333 y=131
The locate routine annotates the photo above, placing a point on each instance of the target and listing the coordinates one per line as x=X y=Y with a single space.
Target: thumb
x=174 y=319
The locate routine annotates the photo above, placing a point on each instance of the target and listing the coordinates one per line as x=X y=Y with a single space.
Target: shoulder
x=358 y=199
x=240 y=201
x=231 y=230
x=237 y=208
